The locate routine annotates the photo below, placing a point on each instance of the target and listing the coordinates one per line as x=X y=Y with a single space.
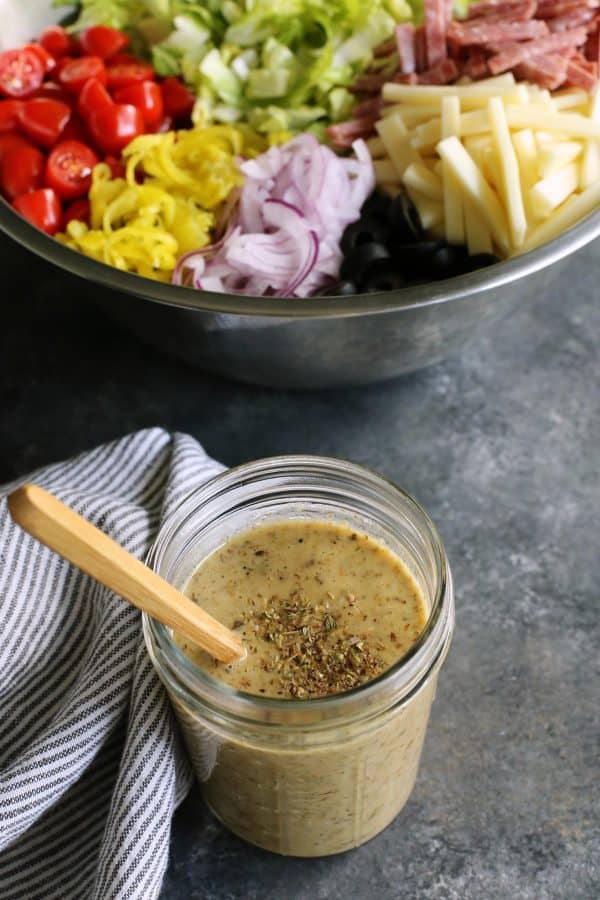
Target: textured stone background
x=502 y=447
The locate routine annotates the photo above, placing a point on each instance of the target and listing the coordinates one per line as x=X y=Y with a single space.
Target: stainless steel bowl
x=322 y=342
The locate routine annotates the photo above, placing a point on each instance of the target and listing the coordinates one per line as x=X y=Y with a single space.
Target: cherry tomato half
x=100 y=40
x=43 y=120
x=57 y=41
x=75 y=130
x=113 y=128
x=9 y=115
x=74 y=75
x=47 y=60
x=10 y=140
x=69 y=169
x=93 y=97
x=21 y=73
x=55 y=91
x=122 y=74
x=117 y=169
x=21 y=169
x=42 y=208
x=148 y=99
x=78 y=210
x=178 y=101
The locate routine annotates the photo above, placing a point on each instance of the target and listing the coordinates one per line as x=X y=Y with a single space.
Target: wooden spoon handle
x=73 y=537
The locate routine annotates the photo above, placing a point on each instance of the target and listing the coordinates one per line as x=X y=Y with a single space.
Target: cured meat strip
x=385 y=49
x=405 y=45
x=475 y=65
x=547 y=71
x=344 y=134
x=518 y=53
x=420 y=49
x=435 y=31
x=592 y=48
x=509 y=8
x=445 y=72
x=476 y=34
x=562 y=7
x=370 y=107
x=580 y=76
x=571 y=20
x=370 y=82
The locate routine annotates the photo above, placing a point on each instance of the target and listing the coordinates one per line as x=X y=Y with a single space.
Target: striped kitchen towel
x=91 y=768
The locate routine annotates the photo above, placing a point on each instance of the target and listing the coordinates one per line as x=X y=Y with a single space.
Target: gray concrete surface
x=501 y=446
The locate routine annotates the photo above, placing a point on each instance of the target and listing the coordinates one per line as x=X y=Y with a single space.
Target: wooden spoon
x=73 y=537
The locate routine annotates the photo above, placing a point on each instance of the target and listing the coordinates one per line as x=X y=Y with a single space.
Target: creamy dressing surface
x=320 y=607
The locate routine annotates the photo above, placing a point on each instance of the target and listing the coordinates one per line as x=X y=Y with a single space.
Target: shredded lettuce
x=281 y=66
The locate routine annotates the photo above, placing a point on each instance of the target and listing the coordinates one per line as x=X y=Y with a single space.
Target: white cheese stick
x=590 y=163
x=570 y=99
x=395 y=137
x=510 y=184
x=431 y=212
x=576 y=208
x=563 y=123
x=425 y=93
x=421 y=179
x=553 y=157
x=474 y=184
x=474 y=122
x=527 y=155
x=385 y=171
x=550 y=192
x=479 y=239
x=376 y=147
x=453 y=206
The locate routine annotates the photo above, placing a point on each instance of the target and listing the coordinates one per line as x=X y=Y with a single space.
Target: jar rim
x=192 y=683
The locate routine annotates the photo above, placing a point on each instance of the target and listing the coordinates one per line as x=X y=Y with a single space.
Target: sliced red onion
x=283 y=238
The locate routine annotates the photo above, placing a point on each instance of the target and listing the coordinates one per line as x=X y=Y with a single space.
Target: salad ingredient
x=78 y=210
x=93 y=98
x=103 y=41
x=499 y=169
x=549 y=44
x=21 y=73
x=48 y=61
x=43 y=119
x=113 y=127
x=10 y=114
x=126 y=72
x=166 y=204
x=147 y=97
x=42 y=208
x=57 y=41
x=178 y=100
x=74 y=74
x=284 y=236
x=21 y=168
x=69 y=169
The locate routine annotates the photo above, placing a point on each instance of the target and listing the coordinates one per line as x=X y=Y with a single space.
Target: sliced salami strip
x=435 y=31
x=551 y=10
x=385 y=49
x=592 y=48
x=344 y=134
x=508 y=8
x=476 y=34
x=420 y=49
x=546 y=71
x=579 y=75
x=405 y=46
x=571 y=20
x=445 y=72
x=370 y=82
x=475 y=65
x=370 y=107
x=518 y=53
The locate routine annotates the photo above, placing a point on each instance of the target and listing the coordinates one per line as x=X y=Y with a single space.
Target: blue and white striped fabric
x=91 y=767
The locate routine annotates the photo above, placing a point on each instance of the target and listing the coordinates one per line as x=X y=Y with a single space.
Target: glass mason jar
x=316 y=776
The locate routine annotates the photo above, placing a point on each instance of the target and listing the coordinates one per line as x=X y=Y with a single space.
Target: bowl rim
x=499 y=275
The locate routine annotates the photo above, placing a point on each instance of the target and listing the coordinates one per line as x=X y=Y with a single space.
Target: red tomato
x=178 y=101
x=78 y=210
x=148 y=99
x=42 y=208
x=113 y=128
x=117 y=169
x=74 y=75
x=61 y=64
x=99 y=40
x=75 y=130
x=21 y=73
x=9 y=115
x=10 y=140
x=69 y=169
x=93 y=97
x=54 y=91
x=22 y=169
x=57 y=41
x=43 y=120
x=47 y=60
x=166 y=124
x=122 y=74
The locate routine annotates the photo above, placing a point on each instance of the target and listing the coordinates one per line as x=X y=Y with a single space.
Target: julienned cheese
x=496 y=165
